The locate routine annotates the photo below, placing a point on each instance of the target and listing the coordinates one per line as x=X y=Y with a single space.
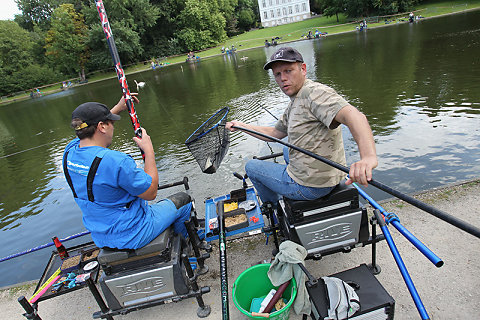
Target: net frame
x=209 y=143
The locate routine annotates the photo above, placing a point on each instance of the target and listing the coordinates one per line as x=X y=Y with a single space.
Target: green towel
x=285 y=267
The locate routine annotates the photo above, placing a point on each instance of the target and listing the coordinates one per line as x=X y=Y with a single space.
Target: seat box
x=375 y=302
x=336 y=230
x=340 y=199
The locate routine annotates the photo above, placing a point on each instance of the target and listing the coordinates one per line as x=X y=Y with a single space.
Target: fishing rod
x=417 y=203
x=119 y=70
x=222 y=244
x=393 y=219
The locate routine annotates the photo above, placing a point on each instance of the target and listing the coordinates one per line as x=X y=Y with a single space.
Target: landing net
x=209 y=143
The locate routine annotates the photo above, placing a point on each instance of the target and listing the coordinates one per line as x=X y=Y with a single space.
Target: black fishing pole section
x=173 y=184
x=274 y=155
x=222 y=244
x=417 y=203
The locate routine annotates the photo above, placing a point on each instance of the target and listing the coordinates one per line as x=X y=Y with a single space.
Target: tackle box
x=254 y=216
x=375 y=302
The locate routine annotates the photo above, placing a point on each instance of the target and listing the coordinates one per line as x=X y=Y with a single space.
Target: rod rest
x=158 y=246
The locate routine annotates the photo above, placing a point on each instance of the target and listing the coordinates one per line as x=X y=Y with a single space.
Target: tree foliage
x=201 y=24
x=66 y=40
x=51 y=38
x=19 y=69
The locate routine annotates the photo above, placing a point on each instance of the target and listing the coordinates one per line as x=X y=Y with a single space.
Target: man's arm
x=357 y=123
x=122 y=105
x=150 y=166
x=270 y=131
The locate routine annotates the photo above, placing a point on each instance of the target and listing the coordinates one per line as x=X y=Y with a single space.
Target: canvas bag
x=344 y=301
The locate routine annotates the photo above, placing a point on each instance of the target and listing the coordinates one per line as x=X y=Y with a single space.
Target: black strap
x=67 y=175
x=91 y=176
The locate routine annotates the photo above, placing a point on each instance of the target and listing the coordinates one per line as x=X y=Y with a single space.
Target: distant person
x=267 y=44
x=109 y=188
x=311 y=121
x=411 y=17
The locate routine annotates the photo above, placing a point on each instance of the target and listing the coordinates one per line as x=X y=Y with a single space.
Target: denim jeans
x=272 y=181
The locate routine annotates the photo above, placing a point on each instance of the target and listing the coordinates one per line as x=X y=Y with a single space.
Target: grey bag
x=344 y=301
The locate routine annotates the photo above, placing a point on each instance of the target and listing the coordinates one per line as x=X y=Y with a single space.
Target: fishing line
x=32 y=148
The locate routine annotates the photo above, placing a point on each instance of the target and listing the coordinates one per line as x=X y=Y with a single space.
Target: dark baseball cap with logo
x=286 y=54
x=91 y=113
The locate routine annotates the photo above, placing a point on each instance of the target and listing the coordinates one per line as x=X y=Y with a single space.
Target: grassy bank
x=287 y=33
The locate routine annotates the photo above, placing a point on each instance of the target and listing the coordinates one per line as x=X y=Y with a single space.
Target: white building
x=276 y=12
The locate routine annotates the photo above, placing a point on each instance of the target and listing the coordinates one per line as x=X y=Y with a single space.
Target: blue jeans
x=272 y=181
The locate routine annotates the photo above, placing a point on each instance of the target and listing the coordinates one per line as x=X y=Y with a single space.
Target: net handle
x=225 y=109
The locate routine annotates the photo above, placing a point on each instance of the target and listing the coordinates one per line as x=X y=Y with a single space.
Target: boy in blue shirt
x=109 y=188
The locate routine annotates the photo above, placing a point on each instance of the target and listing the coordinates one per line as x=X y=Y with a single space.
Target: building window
x=270 y=2
x=277 y=1
x=297 y=8
x=304 y=7
x=265 y=15
x=284 y=11
x=278 y=13
x=290 y=10
x=264 y=4
x=271 y=14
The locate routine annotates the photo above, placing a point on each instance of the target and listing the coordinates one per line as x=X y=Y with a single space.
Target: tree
x=66 y=41
x=202 y=24
x=19 y=69
x=129 y=20
x=333 y=8
x=36 y=13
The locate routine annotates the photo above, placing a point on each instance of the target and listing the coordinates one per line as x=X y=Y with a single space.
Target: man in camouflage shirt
x=312 y=122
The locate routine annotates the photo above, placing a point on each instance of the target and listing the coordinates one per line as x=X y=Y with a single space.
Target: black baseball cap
x=91 y=113
x=287 y=54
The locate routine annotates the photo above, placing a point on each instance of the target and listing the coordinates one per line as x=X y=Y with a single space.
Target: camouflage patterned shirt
x=306 y=121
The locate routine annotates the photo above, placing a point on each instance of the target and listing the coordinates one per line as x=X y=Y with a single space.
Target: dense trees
x=57 y=39
x=361 y=8
x=53 y=40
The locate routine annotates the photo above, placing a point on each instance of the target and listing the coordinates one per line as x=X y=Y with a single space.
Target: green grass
x=287 y=33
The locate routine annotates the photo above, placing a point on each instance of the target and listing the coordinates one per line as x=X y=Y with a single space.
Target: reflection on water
x=417 y=83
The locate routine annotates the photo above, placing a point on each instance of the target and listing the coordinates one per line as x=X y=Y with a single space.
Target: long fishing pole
x=222 y=244
x=417 y=203
x=119 y=70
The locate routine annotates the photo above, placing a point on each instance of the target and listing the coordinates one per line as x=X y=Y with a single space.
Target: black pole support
x=195 y=241
x=374 y=267
x=98 y=297
x=203 y=309
x=30 y=312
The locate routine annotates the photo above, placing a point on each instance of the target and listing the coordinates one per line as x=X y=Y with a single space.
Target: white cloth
x=285 y=267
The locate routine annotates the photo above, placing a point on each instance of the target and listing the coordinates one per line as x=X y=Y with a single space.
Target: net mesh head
x=209 y=143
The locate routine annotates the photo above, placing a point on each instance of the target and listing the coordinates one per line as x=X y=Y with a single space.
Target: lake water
x=418 y=84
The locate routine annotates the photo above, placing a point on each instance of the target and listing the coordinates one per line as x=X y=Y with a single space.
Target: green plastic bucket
x=253 y=283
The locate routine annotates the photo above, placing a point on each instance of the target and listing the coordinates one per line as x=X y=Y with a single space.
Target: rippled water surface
x=418 y=84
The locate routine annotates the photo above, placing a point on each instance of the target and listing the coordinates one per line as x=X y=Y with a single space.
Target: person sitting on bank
x=109 y=188
x=312 y=122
